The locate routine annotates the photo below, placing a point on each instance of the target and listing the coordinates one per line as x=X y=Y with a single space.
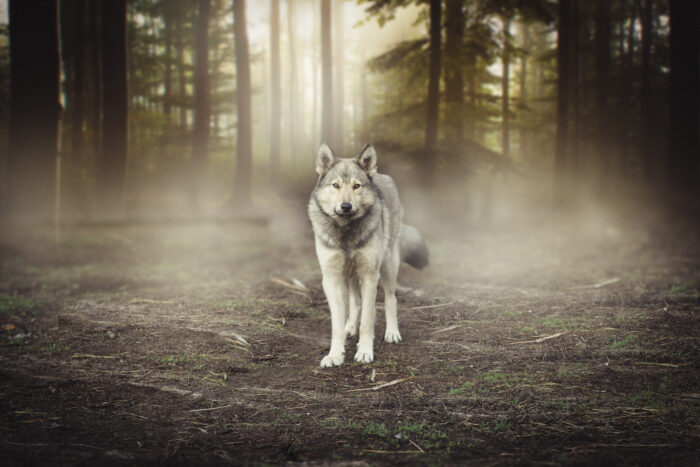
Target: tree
x=275 y=74
x=326 y=73
x=433 y=103
x=34 y=110
x=505 y=87
x=455 y=23
x=684 y=148
x=563 y=38
x=202 y=106
x=339 y=77
x=112 y=172
x=294 y=107
x=647 y=126
x=603 y=32
x=244 y=141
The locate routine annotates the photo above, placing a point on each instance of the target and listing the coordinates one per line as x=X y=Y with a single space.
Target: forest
x=160 y=296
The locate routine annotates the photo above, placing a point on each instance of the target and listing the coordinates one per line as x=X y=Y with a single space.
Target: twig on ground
x=431 y=306
x=295 y=286
x=87 y=355
x=376 y=388
x=541 y=339
x=597 y=285
x=448 y=328
x=212 y=408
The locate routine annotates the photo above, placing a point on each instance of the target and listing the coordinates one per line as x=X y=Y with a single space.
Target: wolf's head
x=345 y=190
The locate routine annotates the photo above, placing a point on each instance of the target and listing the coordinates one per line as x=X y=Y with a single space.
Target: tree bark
x=115 y=98
x=505 y=89
x=433 y=103
x=276 y=98
x=202 y=106
x=563 y=43
x=455 y=23
x=339 y=76
x=523 y=90
x=684 y=148
x=602 y=44
x=326 y=73
x=34 y=111
x=244 y=142
x=295 y=115
x=646 y=94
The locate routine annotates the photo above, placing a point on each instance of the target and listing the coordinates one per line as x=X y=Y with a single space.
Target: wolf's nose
x=346 y=207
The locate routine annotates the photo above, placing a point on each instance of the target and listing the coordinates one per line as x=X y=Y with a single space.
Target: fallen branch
x=87 y=355
x=597 y=285
x=376 y=388
x=449 y=328
x=431 y=306
x=296 y=285
x=541 y=339
x=212 y=408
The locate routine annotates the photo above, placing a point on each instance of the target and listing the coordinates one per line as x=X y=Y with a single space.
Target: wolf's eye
x=336 y=186
x=356 y=186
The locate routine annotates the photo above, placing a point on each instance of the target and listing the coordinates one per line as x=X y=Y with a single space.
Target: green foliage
x=14 y=303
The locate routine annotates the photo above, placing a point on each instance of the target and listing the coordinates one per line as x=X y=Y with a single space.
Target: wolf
x=360 y=239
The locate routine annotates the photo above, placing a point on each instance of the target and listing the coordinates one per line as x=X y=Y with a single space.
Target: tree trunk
x=114 y=95
x=455 y=23
x=602 y=43
x=276 y=98
x=574 y=87
x=563 y=43
x=202 y=106
x=244 y=141
x=505 y=89
x=168 y=19
x=96 y=82
x=34 y=110
x=684 y=148
x=326 y=73
x=647 y=105
x=523 y=91
x=295 y=115
x=433 y=103
x=339 y=76
x=181 y=75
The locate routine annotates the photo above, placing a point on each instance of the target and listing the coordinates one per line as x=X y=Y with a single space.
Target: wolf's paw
x=350 y=329
x=364 y=356
x=332 y=360
x=392 y=337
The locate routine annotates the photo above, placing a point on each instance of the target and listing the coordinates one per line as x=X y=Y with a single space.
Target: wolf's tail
x=412 y=247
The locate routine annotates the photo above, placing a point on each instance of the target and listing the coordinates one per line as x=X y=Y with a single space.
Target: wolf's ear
x=367 y=159
x=324 y=159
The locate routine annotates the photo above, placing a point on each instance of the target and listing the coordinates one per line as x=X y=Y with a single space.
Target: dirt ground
x=200 y=344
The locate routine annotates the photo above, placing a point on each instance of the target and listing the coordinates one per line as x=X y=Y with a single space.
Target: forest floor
x=200 y=344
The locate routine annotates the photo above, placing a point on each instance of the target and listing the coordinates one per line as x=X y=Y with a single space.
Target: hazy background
x=155 y=121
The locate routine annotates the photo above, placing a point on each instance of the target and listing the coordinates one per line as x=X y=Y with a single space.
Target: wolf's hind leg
x=355 y=306
x=389 y=272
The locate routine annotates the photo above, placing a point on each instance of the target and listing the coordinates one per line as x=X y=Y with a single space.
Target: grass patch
x=465 y=387
x=626 y=341
x=13 y=303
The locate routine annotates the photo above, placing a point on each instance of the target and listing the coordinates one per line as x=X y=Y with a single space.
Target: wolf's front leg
x=368 y=290
x=336 y=291
x=355 y=307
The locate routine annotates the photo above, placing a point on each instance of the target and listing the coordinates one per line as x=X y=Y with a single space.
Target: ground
x=200 y=344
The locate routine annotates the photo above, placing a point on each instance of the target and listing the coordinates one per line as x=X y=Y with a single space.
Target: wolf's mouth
x=345 y=215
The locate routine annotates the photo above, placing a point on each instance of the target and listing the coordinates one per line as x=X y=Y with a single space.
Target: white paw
x=392 y=337
x=350 y=329
x=332 y=360
x=364 y=356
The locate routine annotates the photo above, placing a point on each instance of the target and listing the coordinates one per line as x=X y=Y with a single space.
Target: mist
x=161 y=295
